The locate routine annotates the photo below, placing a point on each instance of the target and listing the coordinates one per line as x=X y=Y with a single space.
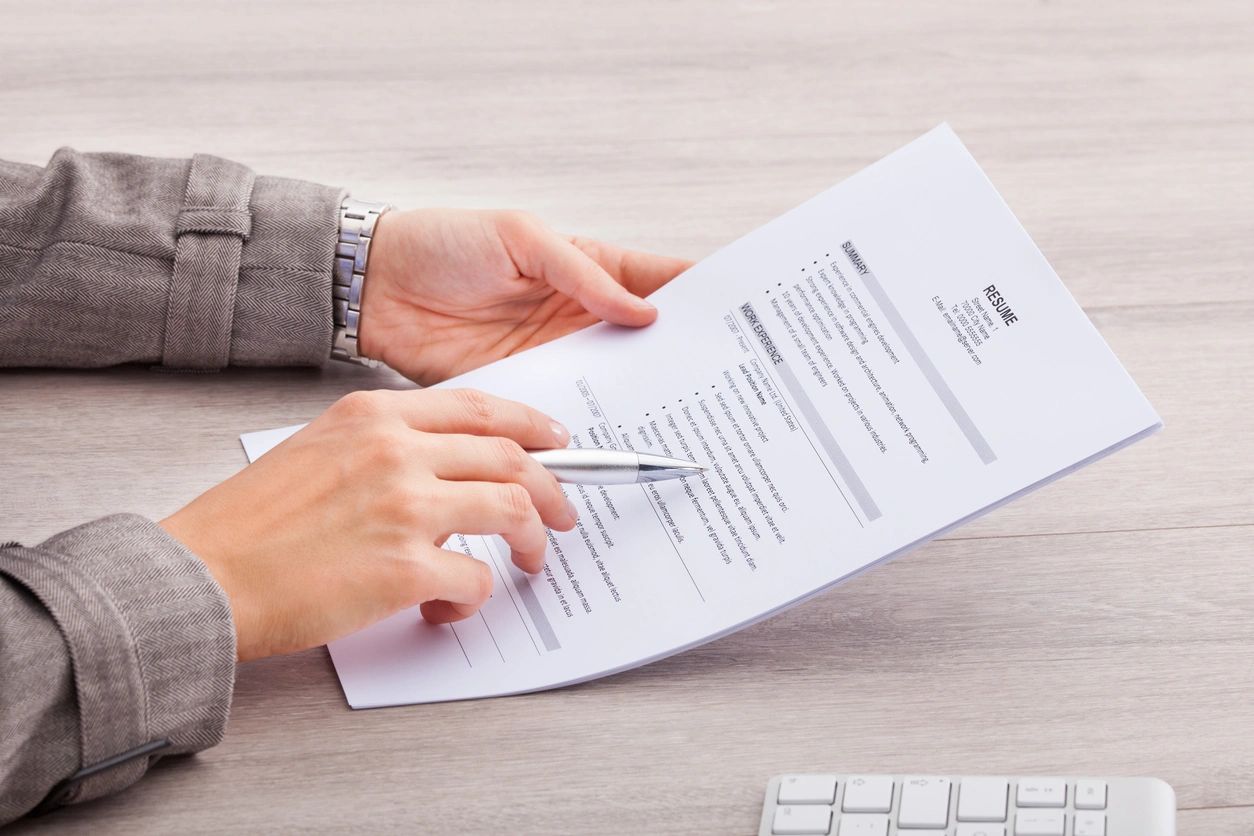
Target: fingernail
x=645 y=304
x=570 y=509
x=560 y=433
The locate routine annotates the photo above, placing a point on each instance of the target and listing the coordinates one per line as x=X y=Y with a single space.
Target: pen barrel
x=590 y=467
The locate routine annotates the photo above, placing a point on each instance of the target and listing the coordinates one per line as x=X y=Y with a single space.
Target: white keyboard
x=930 y=805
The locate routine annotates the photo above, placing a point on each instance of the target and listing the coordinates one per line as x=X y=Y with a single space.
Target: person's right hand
x=340 y=525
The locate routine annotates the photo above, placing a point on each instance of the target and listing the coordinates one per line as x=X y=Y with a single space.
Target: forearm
x=111 y=258
x=112 y=635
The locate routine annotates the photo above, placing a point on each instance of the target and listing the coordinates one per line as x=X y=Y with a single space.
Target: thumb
x=542 y=254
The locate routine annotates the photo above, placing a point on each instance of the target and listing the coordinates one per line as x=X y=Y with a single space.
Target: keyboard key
x=1090 y=795
x=1042 y=792
x=807 y=789
x=1040 y=823
x=981 y=830
x=802 y=820
x=924 y=803
x=862 y=824
x=1089 y=824
x=983 y=799
x=868 y=794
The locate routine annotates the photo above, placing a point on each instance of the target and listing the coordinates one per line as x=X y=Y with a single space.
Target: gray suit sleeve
x=191 y=264
x=112 y=635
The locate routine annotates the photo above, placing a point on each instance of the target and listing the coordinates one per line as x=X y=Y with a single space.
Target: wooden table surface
x=1103 y=626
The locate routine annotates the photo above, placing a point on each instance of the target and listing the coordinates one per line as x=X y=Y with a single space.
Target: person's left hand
x=450 y=290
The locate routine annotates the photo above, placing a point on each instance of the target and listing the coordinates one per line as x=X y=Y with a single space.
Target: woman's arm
x=113 y=258
x=123 y=632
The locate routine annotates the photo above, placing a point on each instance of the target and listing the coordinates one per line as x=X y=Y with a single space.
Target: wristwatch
x=348 y=279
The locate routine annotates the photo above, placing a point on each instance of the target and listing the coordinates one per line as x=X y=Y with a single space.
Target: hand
x=340 y=525
x=447 y=290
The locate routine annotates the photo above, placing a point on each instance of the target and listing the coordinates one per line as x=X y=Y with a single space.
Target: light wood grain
x=1104 y=625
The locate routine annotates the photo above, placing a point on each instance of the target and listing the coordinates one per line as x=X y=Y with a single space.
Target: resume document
x=886 y=361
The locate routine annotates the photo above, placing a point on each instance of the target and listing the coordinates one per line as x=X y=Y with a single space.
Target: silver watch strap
x=348 y=279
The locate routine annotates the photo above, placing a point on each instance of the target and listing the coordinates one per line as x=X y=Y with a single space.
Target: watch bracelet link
x=348 y=278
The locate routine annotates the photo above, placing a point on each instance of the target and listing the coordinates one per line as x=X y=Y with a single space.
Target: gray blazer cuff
x=283 y=302
x=150 y=640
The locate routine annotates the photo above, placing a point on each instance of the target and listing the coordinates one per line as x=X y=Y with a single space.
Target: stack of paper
x=877 y=366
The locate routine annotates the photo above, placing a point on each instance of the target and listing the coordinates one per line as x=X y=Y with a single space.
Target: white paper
x=867 y=429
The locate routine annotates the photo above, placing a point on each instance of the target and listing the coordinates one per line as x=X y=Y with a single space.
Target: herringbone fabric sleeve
x=112 y=635
x=192 y=264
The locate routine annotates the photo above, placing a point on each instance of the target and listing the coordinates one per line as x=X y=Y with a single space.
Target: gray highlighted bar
x=807 y=409
x=933 y=376
x=543 y=626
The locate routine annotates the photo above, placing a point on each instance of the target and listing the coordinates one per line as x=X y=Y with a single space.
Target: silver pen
x=596 y=466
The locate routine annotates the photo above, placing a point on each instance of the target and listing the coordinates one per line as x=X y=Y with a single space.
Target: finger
x=641 y=273
x=461 y=583
x=445 y=612
x=496 y=508
x=478 y=413
x=539 y=252
x=472 y=458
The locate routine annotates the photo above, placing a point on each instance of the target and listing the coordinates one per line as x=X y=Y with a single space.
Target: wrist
x=185 y=531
